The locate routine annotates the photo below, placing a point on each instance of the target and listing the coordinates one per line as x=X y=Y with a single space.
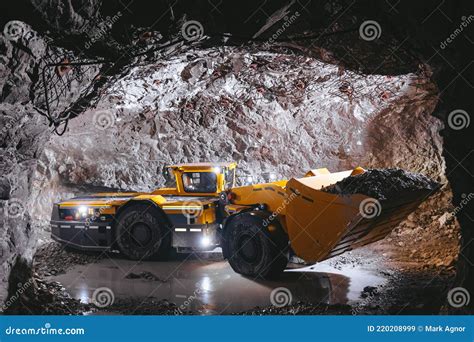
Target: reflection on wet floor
x=212 y=286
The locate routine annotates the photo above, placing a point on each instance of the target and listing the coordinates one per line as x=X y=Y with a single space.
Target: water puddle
x=212 y=286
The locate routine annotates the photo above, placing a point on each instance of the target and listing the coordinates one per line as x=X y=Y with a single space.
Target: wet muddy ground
x=360 y=282
x=206 y=284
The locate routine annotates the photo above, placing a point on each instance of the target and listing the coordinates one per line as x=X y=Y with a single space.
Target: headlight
x=83 y=212
x=206 y=241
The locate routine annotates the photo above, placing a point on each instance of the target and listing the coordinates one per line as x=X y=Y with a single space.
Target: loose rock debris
x=52 y=259
x=382 y=184
x=301 y=308
x=45 y=298
x=141 y=306
x=368 y=291
x=143 y=275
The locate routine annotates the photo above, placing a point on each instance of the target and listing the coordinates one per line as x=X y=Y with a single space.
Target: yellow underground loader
x=256 y=225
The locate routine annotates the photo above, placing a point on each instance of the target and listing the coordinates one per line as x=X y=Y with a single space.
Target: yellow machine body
x=321 y=225
x=318 y=224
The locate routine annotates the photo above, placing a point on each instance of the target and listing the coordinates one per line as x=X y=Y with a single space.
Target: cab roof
x=203 y=165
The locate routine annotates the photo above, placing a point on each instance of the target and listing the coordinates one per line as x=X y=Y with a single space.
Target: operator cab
x=203 y=179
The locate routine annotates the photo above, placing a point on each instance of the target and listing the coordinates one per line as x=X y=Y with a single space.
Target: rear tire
x=252 y=249
x=142 y=232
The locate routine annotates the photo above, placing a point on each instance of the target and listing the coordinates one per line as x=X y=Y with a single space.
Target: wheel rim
x=249 y=248
x=140 y=234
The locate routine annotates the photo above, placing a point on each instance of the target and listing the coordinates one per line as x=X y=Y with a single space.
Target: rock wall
x=23 y=134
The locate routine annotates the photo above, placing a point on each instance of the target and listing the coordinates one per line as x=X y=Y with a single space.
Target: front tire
x=256 y=249
x=142 y=232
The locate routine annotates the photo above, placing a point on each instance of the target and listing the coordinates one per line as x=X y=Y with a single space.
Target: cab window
x=199 y=181
x=229 y=176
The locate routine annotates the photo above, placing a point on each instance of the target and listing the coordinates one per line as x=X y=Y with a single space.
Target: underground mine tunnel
x=101 y=96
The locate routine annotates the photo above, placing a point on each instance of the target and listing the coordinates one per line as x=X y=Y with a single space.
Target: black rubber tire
x=142 y=232
x=252 y=250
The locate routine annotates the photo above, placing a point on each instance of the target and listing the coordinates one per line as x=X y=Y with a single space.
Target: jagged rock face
x=68 y=17
x=23 y=133
x=270 y=112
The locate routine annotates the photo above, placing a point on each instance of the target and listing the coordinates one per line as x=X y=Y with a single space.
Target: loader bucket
x=322 y=225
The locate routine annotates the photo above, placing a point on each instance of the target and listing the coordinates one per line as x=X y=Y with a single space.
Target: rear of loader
x=303 y=216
